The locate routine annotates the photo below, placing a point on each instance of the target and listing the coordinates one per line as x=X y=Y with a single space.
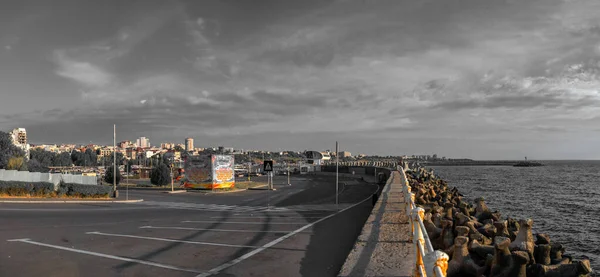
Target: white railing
x=429 y=262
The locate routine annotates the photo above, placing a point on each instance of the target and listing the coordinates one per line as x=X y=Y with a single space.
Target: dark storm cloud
x=551 y=101
x=162 y=114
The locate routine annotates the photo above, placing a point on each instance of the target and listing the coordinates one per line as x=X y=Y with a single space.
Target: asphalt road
x=294 y=231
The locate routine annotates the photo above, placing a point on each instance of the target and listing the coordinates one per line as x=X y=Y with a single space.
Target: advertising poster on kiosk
x=198 y=172
x=209 y=172
x=223 y=171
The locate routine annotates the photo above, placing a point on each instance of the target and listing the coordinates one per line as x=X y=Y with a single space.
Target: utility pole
x=337 y=162
x=127 y=187
x=115 y=158
x=288 y=168
x=172 y=187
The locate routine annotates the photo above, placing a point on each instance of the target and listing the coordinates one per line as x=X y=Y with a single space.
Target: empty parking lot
x=294 y=231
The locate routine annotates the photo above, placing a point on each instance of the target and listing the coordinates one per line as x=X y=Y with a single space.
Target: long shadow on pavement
x=334 y=238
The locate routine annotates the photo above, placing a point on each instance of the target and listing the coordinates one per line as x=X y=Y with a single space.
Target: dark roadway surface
x=190 y=234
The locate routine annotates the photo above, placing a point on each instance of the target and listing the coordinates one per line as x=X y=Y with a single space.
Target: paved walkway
x=383 y=248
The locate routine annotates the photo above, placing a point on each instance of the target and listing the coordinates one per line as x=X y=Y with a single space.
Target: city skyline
x=469 y=78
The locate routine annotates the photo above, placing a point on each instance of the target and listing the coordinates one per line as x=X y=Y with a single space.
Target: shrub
x=17 y=163
x=16 y=188
x=62 y=190
x=160 y=175
x=79 y=190
x=108 y=177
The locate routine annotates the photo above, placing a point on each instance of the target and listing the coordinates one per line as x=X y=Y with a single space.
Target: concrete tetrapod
x=480 y=242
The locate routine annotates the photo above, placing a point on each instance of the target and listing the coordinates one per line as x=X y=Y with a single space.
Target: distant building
x=167 y=145
x=344 y=154
x=189 y=144
x=326 y=156
x=125 y=144
x=143 y=142
x=19 y=136
x=19 y=139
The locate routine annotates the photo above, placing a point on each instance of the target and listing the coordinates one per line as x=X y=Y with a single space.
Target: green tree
x=87 y=158
x=90 y=157
x=35 y=166
x=109 y=160
x=8 y=149
x=16 y=163
x=45 y=158
x=63 y=159
x=160 y=175
x=108 y=177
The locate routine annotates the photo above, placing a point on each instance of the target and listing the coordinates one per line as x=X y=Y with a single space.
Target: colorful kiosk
x=209 y=172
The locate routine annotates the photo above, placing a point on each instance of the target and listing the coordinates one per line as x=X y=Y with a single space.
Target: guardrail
x=429 y=262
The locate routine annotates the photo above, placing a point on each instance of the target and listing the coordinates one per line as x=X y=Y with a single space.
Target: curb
x=229 y=191
x=258 y=188
x=215 y=192
x=69 y=201
x=175 y=191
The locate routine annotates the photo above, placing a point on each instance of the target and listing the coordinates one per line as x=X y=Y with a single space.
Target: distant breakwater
x=471 y=163
x=480 y=242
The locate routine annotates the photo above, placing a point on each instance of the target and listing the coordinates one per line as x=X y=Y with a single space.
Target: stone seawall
x=480 y=242
x=383 y=247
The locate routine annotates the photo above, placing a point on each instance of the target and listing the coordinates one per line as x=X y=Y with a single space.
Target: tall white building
x=19 y=139
x=143 y=142
x=189 y=144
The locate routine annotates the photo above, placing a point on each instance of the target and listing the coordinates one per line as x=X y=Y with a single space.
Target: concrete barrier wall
x=383 y=248
x=33 y=177
x=365 y=170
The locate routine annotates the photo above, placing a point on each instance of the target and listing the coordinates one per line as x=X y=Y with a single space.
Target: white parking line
x=214 y=230
x=279 y=212
x=267 y=217
x=106 y=256
x=172 y=240
x=241 y=222
x=272 y=243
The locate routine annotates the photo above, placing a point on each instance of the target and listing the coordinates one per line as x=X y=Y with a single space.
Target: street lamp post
x=337 y=161
x=127 y=185
x=115 y=159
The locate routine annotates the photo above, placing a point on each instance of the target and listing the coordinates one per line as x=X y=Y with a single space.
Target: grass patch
x=248 y=184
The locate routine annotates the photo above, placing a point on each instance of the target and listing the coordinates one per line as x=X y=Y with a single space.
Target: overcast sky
x=479 y=79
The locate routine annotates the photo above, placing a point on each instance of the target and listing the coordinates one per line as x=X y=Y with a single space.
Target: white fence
x=55 y=178
x=428 y=261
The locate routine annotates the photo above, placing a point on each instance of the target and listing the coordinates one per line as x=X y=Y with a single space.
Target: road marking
x=106 y=255
x=315 y=208
x=291 y=212
x=214 y=230
x=267 y=217
x=272 y=243
x=240 y=222
x=204 y=207
x=172 y=240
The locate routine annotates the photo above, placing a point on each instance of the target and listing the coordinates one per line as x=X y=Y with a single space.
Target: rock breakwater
x=480 y=241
